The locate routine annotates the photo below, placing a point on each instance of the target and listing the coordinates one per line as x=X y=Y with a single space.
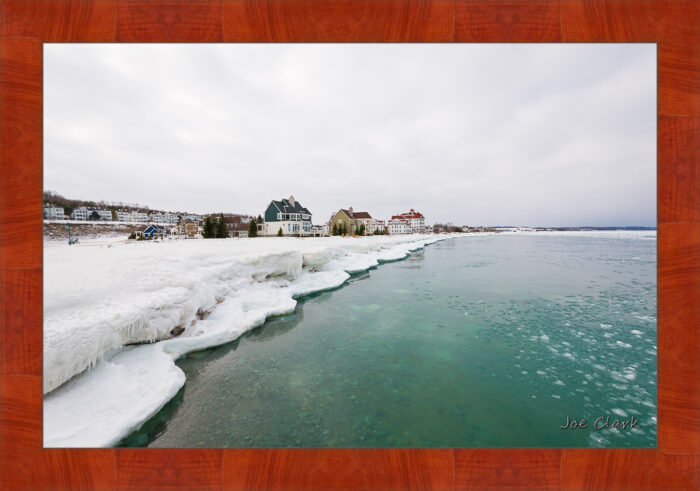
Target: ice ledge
x=100 y=407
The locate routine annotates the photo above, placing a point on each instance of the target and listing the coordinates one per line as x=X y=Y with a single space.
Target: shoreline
x=120 y=387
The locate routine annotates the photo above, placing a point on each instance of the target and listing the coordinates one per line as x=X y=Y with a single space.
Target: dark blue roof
x=284 y=206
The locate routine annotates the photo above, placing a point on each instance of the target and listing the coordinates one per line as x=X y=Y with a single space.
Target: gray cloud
x=473 y=134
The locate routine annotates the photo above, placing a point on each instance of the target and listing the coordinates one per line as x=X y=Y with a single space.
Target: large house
x=53 y=212
x=397 y=226
x=83 y=213
x=169 y=218
x=152 y=232
x=188 y=230
x=237 y=225
x=414 y=220
x=288 y=216
x=378 y=226
x=350 y=221
x=132 y=216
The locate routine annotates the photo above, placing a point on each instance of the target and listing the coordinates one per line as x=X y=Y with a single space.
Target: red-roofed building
x=398 y=226
x=414 y=220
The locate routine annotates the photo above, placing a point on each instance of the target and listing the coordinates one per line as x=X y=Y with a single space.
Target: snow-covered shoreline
x=99 y=299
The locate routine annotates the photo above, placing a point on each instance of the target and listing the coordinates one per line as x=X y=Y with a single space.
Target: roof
x=408 y=216
x=284 y=206
x=356 y=214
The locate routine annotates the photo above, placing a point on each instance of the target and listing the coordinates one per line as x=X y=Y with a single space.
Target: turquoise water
x=485 y=341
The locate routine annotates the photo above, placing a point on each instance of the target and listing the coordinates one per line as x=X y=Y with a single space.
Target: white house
x=53 y=213
x=169 y=218
x=193 y=217
x=81 y=213
x=397 y=226
x=288 y=216
x=378 y=226
x=132 y=216
x=320 y=230
x=414 y=220
x=105 y=215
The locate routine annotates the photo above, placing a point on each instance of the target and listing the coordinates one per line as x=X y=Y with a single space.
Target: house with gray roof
x=287 y=215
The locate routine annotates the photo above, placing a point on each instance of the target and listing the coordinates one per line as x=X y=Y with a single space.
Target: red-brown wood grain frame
x=26 y=24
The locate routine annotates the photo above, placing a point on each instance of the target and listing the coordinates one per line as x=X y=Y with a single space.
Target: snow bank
x=99 y=299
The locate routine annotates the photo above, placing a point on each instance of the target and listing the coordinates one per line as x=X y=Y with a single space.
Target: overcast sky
x=509 y=134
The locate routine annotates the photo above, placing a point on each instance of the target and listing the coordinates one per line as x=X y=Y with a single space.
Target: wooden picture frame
x=674 y=25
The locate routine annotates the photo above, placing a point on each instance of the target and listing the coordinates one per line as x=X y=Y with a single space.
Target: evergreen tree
x=335 y=229
x=253 y=228
x=345 y=229
x=279 y=232
x=221 y=232
x=207 y=233
x=362 y=230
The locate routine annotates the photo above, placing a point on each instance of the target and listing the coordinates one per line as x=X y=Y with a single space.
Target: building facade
x=152 y=232
x=169 y=218
x=320 y=230
x=378 y=226
x=397 y=226
x=414 y=220
x=105 y=215
x=351 y=221
x=80 y=214
x=287 y=215
x=132 y=216
x=53 y=213
x=237 y=225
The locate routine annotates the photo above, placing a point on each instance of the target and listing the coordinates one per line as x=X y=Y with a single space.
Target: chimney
x=350 y=209
x=291 y=200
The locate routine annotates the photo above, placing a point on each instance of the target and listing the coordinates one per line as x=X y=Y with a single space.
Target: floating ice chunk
x=630 y=373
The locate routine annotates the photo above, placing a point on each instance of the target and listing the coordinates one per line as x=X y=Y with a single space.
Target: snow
x=97 y=299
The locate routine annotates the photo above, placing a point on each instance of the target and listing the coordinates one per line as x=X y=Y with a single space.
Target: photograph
x=349 y=245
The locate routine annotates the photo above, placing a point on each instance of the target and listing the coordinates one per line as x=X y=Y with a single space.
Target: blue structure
x=152 y=232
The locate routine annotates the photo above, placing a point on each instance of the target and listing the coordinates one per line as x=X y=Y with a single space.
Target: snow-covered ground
x=101 y=296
